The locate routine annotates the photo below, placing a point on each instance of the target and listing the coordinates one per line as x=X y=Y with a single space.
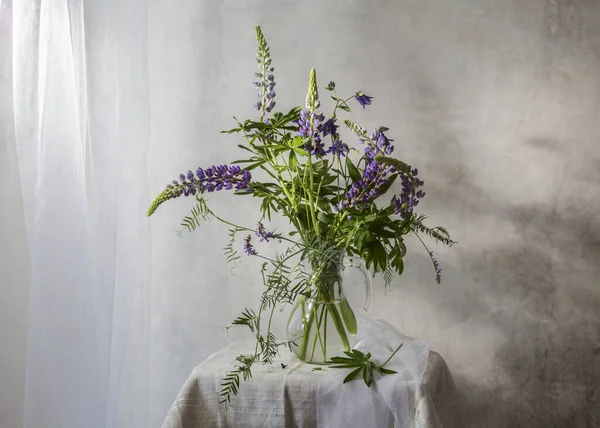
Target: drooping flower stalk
x=410 y=196
x=213 y=178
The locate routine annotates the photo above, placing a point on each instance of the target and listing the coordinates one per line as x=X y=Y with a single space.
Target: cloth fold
x=390 y=401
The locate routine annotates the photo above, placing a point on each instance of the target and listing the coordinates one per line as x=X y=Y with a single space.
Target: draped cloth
x=391 y=400
x=80 y=109
x=291 y=393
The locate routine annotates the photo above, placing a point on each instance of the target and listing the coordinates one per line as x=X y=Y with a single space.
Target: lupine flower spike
x=310 y=124
x=213 y=178
x=265 y=79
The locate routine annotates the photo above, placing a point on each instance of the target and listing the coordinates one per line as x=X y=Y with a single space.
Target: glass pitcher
x=322 y=324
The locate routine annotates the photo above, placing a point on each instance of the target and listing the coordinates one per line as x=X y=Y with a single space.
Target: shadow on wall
x=541 y=289
x=543 y=294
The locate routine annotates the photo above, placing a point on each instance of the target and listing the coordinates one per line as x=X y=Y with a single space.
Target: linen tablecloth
x=286 y=397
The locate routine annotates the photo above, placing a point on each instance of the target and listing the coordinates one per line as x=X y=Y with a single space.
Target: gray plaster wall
x=497 y=103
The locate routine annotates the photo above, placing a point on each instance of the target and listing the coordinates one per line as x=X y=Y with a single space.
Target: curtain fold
x=81 y=127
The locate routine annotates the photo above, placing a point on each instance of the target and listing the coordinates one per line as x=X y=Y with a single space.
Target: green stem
x=391 y=356
x=306 y=336
x=325 y=339
x=310 y=195
x=318 y=335
x=339 y=325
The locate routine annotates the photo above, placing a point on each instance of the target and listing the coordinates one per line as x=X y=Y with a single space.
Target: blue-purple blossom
x=378 y=145
x=410 y=196
x=363 y=99
x=263 y=235
x=211 y=179
x=338 y=148
x=367 y=189
x=330 y=128
x=248 y=247
x=330 y=86
x=310 y=125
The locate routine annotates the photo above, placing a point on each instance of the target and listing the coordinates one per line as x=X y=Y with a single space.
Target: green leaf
x=325 y=218
x=348 y=317
x=320 y=167
x=352 y=170
x=387 y=186
x=379 y=254
x=370 y=218
x=352 y=375
x=253 y=166
x=241 y=146
x=386 y=371
x=402 y=248
x=367 y=376
x=296 y=142
x=292 y=160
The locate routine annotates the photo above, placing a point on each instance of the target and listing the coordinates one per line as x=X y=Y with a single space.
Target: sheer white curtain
x=81 y=133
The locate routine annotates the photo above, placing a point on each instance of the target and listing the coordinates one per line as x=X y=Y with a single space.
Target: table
x=286 y=397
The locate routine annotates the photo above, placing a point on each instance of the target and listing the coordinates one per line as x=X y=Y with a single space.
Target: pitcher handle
x=359 y=264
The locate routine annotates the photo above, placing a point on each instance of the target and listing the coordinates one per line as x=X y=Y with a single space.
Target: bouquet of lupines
x=333 y=196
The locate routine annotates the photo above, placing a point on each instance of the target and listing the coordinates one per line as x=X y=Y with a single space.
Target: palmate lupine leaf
x=361 y=364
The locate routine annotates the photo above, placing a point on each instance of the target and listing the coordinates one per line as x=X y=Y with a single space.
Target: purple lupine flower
x=436 y=266
x=330 y=86
x=311 y=125
x=363 y=99
x=248 y=247
x=213 y=178
x=367 y=189
x=263 y=235
x=378 y=144
x=410 y=196
x=265 y=78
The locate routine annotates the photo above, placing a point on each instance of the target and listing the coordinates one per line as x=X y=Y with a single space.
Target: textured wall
x=496 y=101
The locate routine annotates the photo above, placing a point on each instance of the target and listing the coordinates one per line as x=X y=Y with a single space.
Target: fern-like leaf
x=388 y=276
x=199 y=213
x=231 y=254
x=249 y=319
x=439 y=234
